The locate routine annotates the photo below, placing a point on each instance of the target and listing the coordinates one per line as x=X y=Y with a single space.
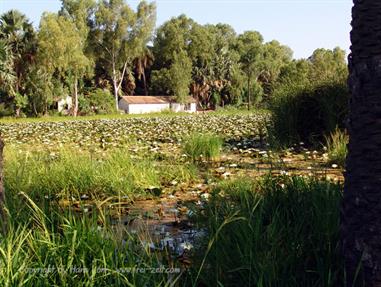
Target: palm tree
x=1 y=173
x=7 y=77
x=18 y=33
x=361 y=210
x=142 y=63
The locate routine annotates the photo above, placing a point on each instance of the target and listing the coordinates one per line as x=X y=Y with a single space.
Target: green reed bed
x=271 y=232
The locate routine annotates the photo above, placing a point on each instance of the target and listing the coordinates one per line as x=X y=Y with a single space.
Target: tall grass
x=71 y=173
x=266 y=232
x=62 y=249
x=46 y=244
x=276 y=232
x=307 y=113
x=337 y=147
x=202 y=146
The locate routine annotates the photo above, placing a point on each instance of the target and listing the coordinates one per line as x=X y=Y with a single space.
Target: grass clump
x=202 y=146
x=337 y=147
x=274 y=232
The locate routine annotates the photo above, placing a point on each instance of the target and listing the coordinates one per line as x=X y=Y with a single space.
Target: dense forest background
x=97 y=51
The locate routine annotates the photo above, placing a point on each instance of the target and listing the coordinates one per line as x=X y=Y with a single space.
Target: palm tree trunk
x=1 y=173
x=145 y=83
x=361 y=209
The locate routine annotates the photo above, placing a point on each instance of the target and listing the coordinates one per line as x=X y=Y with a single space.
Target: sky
x=303 y=25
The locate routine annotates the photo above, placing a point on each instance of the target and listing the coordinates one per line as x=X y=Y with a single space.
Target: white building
x=153 y=104
x=64 y=104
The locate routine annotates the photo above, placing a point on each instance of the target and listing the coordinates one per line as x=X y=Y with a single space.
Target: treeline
x=97 y=51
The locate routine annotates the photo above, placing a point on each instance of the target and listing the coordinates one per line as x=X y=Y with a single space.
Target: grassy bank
x=274 y=231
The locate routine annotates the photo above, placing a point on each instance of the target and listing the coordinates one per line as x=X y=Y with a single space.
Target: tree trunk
x=248 y=93
x=75 y=111
x=1 y=174
x=145 y=83
x=361 y=209
x=116 y=91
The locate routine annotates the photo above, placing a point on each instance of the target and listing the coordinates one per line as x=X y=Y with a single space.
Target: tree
x=142 y=63
x=1 y=173
x=180 y=76
x=61 y=49
x=361 y=209
x=7 y=76
x=121 y=35
x=80 y=12
x=171 y=37
x=275 y=57
x=249 y=46
x=18 y=33
x=40 y=89
x=328 y=65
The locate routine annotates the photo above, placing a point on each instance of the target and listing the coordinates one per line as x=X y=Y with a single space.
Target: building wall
x=190 y=108
x=64 y=104
x=193 y=108
x=146 y=108
x=154 y=108
x=123 y=106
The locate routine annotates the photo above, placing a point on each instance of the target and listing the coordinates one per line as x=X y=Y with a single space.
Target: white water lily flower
x=186 y=246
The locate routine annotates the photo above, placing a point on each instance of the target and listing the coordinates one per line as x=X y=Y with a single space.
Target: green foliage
x=61 y=50
x=275 y=232
x=337 y=147
x=307 y=104
x=97 y=102
x=21 y=102
x=120 y=36
x=160 y=82
x=106 y=44
x=180 y=76
x=309 y=113
x=18 y=34
x=7 y=76
x=41 y=87
x=202 y=146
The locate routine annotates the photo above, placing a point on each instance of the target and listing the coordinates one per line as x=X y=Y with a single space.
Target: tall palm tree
x=361 y=210
x=1 y=173
x=18 y=33
x=7 y=77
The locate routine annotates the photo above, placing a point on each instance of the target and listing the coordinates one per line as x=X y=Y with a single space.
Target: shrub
x=97 y=102
x=202 y=146
x=309 y=113
x=337 y=147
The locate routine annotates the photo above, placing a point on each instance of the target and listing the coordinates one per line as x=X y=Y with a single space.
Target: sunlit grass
x=337 y=147
x=202 y=147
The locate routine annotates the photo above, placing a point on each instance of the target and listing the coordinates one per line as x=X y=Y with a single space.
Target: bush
x=97 y=102
x=337 y=147
x=202 y=146
x=309 y=113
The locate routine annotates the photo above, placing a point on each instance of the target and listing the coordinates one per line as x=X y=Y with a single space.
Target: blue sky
x=303 y=25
